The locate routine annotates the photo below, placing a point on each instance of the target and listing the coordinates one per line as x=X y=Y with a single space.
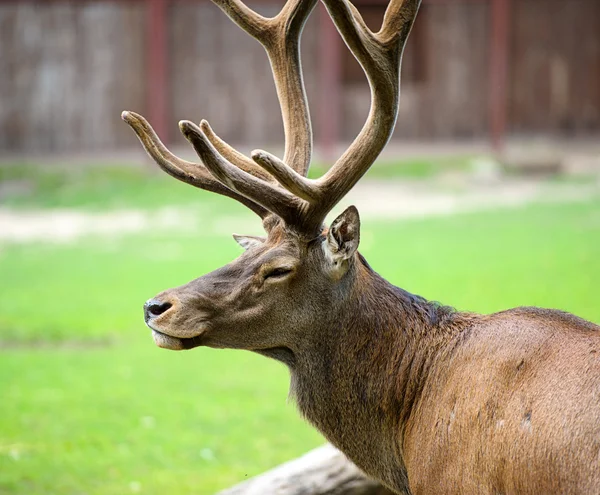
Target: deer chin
x=165 y=341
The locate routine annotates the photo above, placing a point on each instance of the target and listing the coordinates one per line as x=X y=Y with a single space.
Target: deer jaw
x=253 y=302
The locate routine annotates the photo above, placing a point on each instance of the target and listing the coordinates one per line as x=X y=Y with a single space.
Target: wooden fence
x=69 y=68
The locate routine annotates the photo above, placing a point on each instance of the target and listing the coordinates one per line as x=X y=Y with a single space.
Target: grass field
x=90 y=405
x=116 y=186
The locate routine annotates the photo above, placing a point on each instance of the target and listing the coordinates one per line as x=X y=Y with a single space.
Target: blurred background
x=487 y=197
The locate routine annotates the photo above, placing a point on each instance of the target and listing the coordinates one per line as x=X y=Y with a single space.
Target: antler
x=248 y=183
x=301 y=202
x=188 y=172
x=280 y=36
x=380 y=56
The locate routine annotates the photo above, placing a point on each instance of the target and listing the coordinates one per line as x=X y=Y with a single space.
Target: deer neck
x=359 y=382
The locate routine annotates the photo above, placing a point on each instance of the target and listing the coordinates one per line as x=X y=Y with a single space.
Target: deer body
x=433 y=401
x=513 y=408
x=423 y=398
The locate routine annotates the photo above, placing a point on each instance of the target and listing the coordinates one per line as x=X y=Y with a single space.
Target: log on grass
x=323 y=471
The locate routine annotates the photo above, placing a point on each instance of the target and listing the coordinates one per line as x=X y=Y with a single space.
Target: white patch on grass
x=148 y=422
x=207 y=454
x=393 y=199
x=135 y=486
x=66 y=226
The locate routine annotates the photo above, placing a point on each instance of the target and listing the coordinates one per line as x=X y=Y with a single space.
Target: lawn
x=117 y=186
x=90 y=405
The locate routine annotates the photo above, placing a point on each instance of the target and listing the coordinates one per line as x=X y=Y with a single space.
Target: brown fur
x=421 y=397
x=425 y=399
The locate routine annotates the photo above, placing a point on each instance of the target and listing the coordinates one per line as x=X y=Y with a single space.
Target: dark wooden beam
x=331 y=89
x=498 y=71
x=157 y=66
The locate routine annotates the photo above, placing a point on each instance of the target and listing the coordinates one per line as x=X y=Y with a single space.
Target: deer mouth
x=165 y=341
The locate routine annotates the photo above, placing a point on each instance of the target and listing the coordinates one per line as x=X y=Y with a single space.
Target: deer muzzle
x=163 y=316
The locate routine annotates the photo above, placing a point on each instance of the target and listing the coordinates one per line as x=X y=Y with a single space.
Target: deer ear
x=344 y=235
x=248 y=241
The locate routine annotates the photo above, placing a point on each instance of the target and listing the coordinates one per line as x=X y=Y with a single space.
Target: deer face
x=285 y=283
x=265 y=299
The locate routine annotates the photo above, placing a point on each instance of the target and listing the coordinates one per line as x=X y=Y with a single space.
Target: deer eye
x=277 y=273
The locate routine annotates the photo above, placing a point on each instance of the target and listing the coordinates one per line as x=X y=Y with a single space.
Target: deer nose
x=154 y=308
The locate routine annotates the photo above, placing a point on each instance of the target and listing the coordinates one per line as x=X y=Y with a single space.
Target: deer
x=421 y=397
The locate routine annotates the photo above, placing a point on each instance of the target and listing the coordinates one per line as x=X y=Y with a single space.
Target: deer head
x=300 y=273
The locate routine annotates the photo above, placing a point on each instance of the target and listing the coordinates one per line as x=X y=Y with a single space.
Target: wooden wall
x=555 y=70
x=67 y=69
x=222 y=75
x=447 y=98
x=454 y=94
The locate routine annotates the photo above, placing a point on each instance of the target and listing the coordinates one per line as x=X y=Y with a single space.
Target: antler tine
x=287 y=73
x=232 y=155
x=352 y=28
x=397 y=21
x=286 y=176
x=251 y=22
x=188 y=172
x=302 y=203
x=280 y=36
x=273 y=198
x=255 y=25
x=380 y=55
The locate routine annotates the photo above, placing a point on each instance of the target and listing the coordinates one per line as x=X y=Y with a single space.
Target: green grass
x=100 y=421
x=90 y=405
x=96 y=187
x=411 y=168
x=118 y=186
